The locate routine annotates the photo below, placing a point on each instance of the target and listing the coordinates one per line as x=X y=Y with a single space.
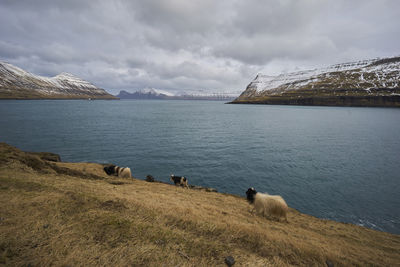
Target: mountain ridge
x=16 y=83
x=151 y=93
x=147 y=93
x=374 y=82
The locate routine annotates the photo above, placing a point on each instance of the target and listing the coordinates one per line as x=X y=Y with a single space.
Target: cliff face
x=16 y=83
x=365 y=83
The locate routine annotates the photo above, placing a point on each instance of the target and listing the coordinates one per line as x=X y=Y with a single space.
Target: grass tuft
x=65 y=218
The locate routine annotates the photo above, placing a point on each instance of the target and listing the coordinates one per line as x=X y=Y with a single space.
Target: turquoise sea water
x=331 y=162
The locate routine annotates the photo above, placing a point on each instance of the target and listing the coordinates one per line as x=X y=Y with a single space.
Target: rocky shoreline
x=343 y=101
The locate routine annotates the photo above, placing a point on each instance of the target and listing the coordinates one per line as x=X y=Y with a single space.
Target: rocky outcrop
x=15 y=83
x=365 y=83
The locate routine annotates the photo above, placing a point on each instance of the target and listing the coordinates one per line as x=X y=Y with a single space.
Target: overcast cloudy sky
x=183 y=45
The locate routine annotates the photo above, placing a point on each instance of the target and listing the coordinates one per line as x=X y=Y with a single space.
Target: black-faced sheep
x=267 y=205
x=150 y=178
x=179 y=180
x=123 y=172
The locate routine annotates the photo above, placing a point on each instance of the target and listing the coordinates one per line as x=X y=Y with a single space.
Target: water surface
x=338 y=163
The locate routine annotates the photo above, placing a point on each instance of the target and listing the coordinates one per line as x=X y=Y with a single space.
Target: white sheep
x=118 y=171
x=267 y=205
x=124 y=172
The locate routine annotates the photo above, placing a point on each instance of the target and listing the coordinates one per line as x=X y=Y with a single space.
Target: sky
x=184 y=46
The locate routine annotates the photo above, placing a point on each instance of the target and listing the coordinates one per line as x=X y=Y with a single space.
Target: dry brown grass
x=67 y=219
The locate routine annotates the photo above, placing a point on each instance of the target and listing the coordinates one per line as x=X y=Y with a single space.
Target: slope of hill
x=365 y=83
x=57 y=213
x=16 y=83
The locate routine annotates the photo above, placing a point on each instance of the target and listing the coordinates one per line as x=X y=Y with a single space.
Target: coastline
x=81 y=216
x=60 y=98
x=339 y=101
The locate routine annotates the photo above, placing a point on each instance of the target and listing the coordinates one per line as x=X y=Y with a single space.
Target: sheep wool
x=124 y=172
x=268 y=205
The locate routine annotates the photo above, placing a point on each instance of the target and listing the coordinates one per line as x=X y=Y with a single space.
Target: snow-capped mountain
x=154 y=91
x=20 y=84
x=373 y=82
x=151 y=93
x=146 y=93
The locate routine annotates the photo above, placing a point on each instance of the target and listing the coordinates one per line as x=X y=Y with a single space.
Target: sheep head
x=251 y=192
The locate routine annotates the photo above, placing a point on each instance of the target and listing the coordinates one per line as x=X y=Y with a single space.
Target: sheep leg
x=252 y=210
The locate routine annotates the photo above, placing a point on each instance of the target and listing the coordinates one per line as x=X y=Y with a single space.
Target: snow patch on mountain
x=154 y=91
x=366 y=74
x=13 y=78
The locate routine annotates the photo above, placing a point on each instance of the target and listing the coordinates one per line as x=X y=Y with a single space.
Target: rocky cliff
x=15 y=83
x=373 y=82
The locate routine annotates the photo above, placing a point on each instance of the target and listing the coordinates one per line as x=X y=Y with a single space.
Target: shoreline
x=87 y=98
x=81 y=216
x=49 y=156
x=392 y=101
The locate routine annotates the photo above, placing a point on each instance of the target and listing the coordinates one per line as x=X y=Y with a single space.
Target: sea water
x=338 y=163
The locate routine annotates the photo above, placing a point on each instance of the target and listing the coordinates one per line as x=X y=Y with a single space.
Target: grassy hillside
x=67 y=214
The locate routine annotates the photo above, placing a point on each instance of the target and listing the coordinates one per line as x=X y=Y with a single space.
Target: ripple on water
x=330 y=162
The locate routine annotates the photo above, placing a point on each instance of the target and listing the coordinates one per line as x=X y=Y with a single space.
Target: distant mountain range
x=148 y=93
x=151 y=93
x=15 y=83
x=373 y=82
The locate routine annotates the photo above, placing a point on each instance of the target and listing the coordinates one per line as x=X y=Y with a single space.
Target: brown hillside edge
x=328 y=97
x=343 y=101
x=68 y=214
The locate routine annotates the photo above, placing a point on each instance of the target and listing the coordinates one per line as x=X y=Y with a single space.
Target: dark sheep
x=150 y=178
x=110 y=169
x=180 y=180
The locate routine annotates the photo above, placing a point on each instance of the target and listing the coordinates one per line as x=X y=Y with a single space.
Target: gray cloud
x=181 y=45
